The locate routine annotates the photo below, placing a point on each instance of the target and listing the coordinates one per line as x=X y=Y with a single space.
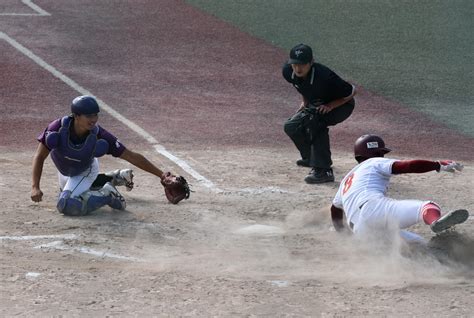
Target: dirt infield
x=257 y=242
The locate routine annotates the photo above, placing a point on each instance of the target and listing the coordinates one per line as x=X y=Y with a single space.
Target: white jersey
x=367 y=180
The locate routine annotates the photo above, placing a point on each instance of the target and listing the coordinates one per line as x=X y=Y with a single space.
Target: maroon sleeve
x=116 y=148
x=414 y=166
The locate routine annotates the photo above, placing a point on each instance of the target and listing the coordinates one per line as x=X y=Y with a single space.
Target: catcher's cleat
x=117 y=201
x=449 y=220
x=122 y=177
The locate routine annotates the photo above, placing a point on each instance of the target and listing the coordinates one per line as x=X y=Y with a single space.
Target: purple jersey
x=116 y=148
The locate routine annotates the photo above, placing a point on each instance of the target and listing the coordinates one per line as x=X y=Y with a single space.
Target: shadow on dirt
x=450 y=248
x=453 y=246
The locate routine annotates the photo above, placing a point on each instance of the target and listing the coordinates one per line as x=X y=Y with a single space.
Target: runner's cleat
x=449 y=220
x=122 y=177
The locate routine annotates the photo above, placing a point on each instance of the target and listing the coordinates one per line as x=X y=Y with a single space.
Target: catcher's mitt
x=176 y=187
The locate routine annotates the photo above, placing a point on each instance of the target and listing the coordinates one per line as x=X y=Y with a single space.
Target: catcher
x=75 y=142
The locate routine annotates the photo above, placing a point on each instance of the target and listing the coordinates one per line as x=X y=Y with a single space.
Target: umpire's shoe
x=449 y=220
x=303 y=162
x=319 y=175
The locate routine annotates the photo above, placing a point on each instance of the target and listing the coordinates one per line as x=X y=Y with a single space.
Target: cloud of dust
x=386 y=259
x=305 y=248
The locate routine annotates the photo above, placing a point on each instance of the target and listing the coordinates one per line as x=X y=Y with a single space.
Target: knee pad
x=70 y=206
x=290 y=128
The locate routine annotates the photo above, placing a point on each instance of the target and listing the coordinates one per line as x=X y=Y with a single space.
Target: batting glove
x=449 y=166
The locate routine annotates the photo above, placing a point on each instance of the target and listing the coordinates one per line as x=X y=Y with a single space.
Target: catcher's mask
x=84 y=105
x=369 y=146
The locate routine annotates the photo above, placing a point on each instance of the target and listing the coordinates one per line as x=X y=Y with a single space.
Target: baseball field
x=196 y=86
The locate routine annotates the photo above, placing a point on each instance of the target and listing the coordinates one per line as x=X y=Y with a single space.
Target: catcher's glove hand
x=176 y=187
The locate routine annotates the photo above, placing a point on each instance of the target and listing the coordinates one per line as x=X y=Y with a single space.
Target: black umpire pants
x=304 y=130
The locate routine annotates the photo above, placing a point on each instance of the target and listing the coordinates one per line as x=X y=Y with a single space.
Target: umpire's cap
x=369 y=146
x=301 y=54
x=84 y=105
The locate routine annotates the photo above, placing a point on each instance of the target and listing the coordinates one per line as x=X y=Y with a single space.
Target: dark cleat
x=449 y=220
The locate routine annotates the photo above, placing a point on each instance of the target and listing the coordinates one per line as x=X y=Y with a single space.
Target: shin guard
x=84 y=204
x=70 y=206
x=94 y=200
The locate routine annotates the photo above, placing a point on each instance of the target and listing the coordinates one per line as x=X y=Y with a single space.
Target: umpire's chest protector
x=69 y=159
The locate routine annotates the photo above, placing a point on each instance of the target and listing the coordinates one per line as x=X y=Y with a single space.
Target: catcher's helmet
x=369 y=146
x=84 y=105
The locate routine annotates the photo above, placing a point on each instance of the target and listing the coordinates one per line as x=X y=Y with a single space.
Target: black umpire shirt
x=321 y=85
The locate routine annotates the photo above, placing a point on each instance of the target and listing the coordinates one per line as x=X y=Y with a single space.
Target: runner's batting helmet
x=84 y=105
x=369 y=146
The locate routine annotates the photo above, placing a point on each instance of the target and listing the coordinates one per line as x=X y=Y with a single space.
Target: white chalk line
x=38 y=237
x=59 y=245
x=34 y=7
x=136 y=128
x=260 y=190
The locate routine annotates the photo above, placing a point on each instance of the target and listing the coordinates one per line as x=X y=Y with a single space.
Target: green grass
x=419 y=53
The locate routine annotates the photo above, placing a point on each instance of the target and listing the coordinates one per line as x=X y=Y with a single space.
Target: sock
x=430 y=212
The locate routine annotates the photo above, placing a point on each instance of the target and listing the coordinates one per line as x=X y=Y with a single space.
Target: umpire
x=327 y=101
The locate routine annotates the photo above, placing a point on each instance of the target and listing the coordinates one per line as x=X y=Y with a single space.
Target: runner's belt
x=351 y=225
